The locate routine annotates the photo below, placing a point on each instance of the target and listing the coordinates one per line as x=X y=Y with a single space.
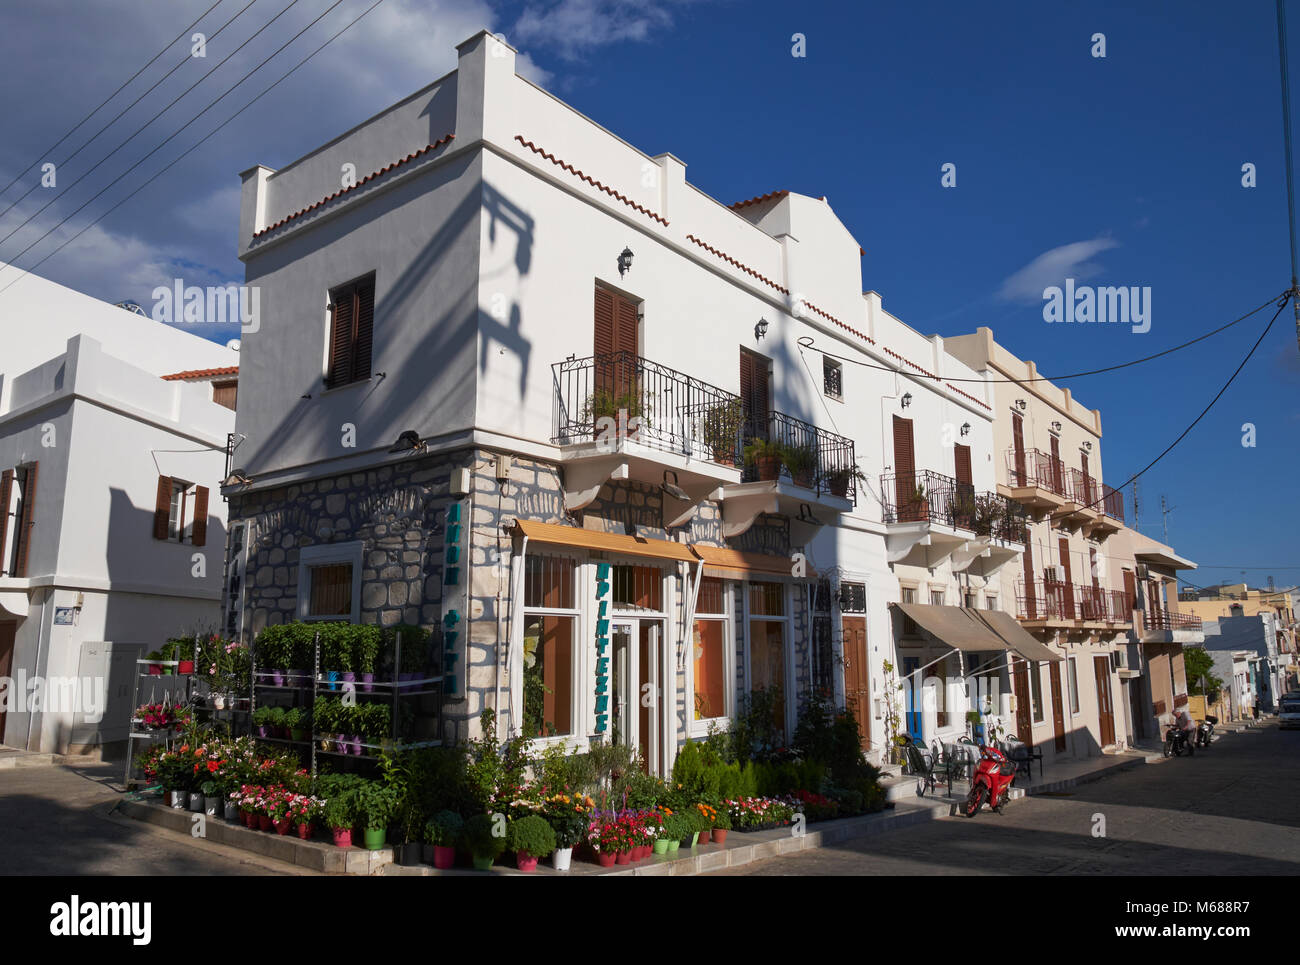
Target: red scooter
x=991 y=782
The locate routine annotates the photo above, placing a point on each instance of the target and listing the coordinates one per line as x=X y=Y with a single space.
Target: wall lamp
x=907 y=399
x=1056 y=426
x=408 y=441
x=624 y=262
x=965 y=428
x=672 y=489
x=760 y=330
x=237 y=477
x=1088 y=445
x=1020 y=404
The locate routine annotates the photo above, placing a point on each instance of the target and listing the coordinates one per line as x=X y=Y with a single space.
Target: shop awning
x=732 y=564
x=1016 y=637
x=954 y=626
x=606 y=542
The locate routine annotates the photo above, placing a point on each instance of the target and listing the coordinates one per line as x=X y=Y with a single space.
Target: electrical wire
x=157 y=148
x=125 y=84
x=183 y=61
x=807 y=341
x=26 y=271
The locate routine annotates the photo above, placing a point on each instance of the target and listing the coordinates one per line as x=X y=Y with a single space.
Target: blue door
x=912 y=690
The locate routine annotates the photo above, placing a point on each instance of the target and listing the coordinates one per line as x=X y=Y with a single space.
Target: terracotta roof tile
x=771 y=195
x=202 y=373
x=743 y=267
x=369 y=177
x=590 y=180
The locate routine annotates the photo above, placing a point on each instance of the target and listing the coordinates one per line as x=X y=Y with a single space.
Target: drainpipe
x=36 y=666
x=516 y=595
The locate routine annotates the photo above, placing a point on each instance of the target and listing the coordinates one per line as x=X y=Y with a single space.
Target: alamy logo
x=73 y=918
x=53 y=695
x=216 y=305
x=1124 y=306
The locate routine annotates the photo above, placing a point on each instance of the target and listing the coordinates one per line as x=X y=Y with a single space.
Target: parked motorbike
x=991 y=782
x=1205 y=731
x=1176 y=742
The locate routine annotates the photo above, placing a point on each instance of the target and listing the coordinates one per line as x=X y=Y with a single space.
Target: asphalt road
x=1231 y=810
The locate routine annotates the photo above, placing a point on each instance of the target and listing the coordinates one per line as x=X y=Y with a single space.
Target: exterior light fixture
x=408 y=441
x=806 y=515
x=1088 y=445
x=907 y=399
x=624 y=262
x=671 y=488
x=237 y=477
x=1056 y=426
x=965 y=428
x=1020 y=404
x=760 y=330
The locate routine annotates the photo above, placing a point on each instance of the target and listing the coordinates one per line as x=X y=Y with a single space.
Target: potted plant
x=801 y=461
x=441 y=834
x=485 y=840
x=366 y=641
x=709 y=814
x=918 y=505
x=262 y=721
x=976 y=728
x=568 y=819
x=183 y=654
x=721 y=430
x=168 y=654
x=837 y=480
x=211 y=797
x=154 y=668
x=376 y=805
x=721 y=825
x=607 y=403
x=324 y=721
x=530 y=837
x=340 y=813
x=765 y=456
x=295 y=721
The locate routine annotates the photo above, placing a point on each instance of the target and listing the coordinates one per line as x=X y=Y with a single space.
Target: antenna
x=1165 y=510
x=1135 y=504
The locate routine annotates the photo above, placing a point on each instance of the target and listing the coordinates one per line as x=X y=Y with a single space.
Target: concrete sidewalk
x=12 y=757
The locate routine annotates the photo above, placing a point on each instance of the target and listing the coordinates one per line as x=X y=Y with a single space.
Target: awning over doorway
x=956 y=626
x=606 y=542
x=1016 y=637
x=732 y=564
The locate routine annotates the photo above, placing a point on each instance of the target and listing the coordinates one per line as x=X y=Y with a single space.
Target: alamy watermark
x=53 y=695
x=1084 y=303
x=215 y=305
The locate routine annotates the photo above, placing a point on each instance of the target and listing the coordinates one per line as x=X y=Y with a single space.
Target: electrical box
x=504 y=462
x=460 y=482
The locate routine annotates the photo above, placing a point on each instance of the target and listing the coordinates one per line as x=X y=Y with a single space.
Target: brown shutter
x=604 y=322
x=225 y=393
x=363 y=328
x=6 y=490
x=1130 y=591
x=905 y=470
x=1058 y=468
x=1089 y=499
x=1068 y=586
x=961 y=461
x=25 y=524
x=162 y=507
x=1018 y=444
x=199 y=534
x=340 y=365
x=753 y=393
x=1031 y=608
x=625 y=326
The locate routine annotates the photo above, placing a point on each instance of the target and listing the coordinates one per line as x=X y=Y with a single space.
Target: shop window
x=329 y=582
x=767 y=599
x=331 y=590
x=548 y=675
x=767 y=665
x=710 y=680
x=1036 y=692
x=548 y=582
x=638 y=587
x=713 y=596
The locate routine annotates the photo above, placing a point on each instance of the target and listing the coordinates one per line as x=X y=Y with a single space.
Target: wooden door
x=1130 y=594
x=1058 y=469
x=1058 y=707
x=1018 y=442
x=1105 y=710
x=857 y=690
x=1135 y=709
x=965 y=486
x=7 y=633
x=1067 y=590
x=909 y=510
x=1024 y=708
x=755 y=394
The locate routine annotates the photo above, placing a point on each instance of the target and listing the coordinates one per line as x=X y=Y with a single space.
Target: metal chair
x=1022 y=755
x=928 y=767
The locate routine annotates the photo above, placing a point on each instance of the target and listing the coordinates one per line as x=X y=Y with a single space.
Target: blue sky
x=1117 y=171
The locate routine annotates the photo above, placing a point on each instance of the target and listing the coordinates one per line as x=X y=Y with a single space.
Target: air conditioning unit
x=1056 y=574
x=1142 y=571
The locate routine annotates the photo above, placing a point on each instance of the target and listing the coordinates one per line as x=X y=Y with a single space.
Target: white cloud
x=1052 y=268
x=573 y=27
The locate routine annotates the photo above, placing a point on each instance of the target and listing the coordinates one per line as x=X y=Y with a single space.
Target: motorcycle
x=991 y=782
x=1205 y=731
x=1176 y=741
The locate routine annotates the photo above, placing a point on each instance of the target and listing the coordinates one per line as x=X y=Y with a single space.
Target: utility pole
x=1165 y=510
x=1135 y=504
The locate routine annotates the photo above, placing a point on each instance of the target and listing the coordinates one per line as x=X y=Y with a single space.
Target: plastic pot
x=704 y=837
x=265 y=823
x=263 y=730
x=185 y=667
x=719 y=835
x=211 y=805
x=525 y=861
x=304 y=831
x=623 y=857
x=196 y=802
x=342 y=837
x=444 y=856
x=177 y=799
x=282 y=826
x=349 y=677
x=695 y=838
x=232 y=811
x=661 y=846
x=562 y=859
x=368 y=682
x=356 y=744
x=483 y=863
x=277 y=678
x=155 y=669
x=673 y=846
x=606 y=859
x=297 y=678
x=332 y=676
x=374 y=838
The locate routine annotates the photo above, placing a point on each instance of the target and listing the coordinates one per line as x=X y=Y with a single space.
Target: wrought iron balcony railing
x=1053 y=600
x=927 y=496
x=1159 y=618
x=1083 y=490
x=1033 y=467
x=1112 y=502
x=812 y=457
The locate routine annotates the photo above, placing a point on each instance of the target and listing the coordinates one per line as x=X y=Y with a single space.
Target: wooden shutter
x=162 y=508
x=225 y=393
x=961 y=463
x=604 y=322
x=1031 y=603
x=904 y=469
x=340 y=339
x=25 y=524
x=1058 y=469
x=363 y=328
x=6 y=491
x=1089 y=498
x=1018 y=443
x=1130 y=591
x=753 y=393
x=199 y=534
x=352 y=322
x=1068 y=590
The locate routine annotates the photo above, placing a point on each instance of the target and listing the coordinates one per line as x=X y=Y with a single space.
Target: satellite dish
x=133 y=307
x=233 y=344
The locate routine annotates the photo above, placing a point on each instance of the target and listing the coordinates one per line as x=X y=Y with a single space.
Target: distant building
x=1259 y=635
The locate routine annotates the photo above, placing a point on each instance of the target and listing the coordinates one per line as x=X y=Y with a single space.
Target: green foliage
x=676 y=827
x=695 y=820
x=366 y=642
x=780 y=778
x=830 y=736
x=531 y=835
x=757 y=730
x=481 y=839
x=376 y=805
x=757 y=449
x=444 y=829
x=330 y=786
x=1201 y=678
x=800 y=460
x=341 y=810
x=415 y=646
x=697 y=770
x=558 y=771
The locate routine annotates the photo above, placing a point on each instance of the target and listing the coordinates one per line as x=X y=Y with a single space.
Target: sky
x=1122 y=170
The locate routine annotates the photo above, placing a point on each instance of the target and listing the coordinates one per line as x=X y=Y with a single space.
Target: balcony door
x=1018 y=442
x=1058 y=706
x=1089 y=496
x=1058 y=468
x=910 y=509
x=965 y=503
x=1031 y=603
x=1024 y=725
x=617 y=341
x=1067 y=589
x=1105 y=710
x=638 y=689
x=755 y=393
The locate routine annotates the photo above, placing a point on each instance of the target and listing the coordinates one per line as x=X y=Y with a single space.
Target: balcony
x=932 y=517
x=1038 y=481
x=1082 y=508
x=1058 y=605
x=1111 y=518
x=1161 y=625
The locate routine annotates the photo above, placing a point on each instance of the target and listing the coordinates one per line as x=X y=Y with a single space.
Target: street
x=1233 y=809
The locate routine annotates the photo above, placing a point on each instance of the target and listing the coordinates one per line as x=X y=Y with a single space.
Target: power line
x=181 y=63
x=807 y=341
x=1290 y=163
x=26 y=271
x=126 y=84
x=129 y=137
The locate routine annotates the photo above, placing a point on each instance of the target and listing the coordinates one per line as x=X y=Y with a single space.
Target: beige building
x=1100 y=595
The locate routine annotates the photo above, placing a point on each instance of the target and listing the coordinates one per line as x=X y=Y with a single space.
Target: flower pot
x=356 y=745
x=177 y=799
x=374 y=838
x=232 y=811
x=562 y=859
x=304 y=830
x=167 y=672
x=155 y=669
x=333 y=677
x=623 y=857
x=342 y=837
x=282 y=826
x=263 y=730
x=606 y=859
x=525 y=861
x=248 y=819
x=719 y=835
x=264 y=822
x=769 y=468
x=839 y=487
x=185 y=667
x=367 y=682
x=342 y=744
x=296 y=678
x=695 y=838
x=803 y=479
x=661 y=846
x=444 y=856
x=483 y=863
x=218 y=701
x=277 y=678
x=196 y=802
x=299 y=734
x=673 y=846
x=349 y=678
x=704 y=837
x=211 y=805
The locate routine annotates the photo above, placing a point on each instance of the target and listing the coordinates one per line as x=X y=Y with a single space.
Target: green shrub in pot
x=485 y=839
x=531 y=836
x=444 y=829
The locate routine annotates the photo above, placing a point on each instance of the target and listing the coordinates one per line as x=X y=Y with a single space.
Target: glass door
x=637 y=691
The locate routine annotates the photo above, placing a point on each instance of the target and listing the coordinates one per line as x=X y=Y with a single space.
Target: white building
x=1260 y=635
x=97 y=564
x=504 y=274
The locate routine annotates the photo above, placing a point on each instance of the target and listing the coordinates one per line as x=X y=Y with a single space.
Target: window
x=936 y=597
x=180 y=512
x=550 y=625
x=225 y=393
x=329 y=582
x=853 y=597
x=909 y=625
x=832 y=378
x=990 y=602
x=1073 y=680
x=638 y=587
x=1036 y=692
x=823 y=659
x=709 y=654
x=972 y=601
x=767 y=646
x=351 y=327
x=17 y=515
